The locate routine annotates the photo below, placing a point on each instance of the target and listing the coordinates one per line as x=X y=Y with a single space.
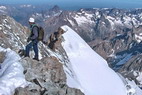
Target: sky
x=76 y=4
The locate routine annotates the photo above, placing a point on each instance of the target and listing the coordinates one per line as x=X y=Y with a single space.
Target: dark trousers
x=33 y=44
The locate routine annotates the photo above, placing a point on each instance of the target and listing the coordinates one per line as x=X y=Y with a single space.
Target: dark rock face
x=46 y=77
x=132 y=69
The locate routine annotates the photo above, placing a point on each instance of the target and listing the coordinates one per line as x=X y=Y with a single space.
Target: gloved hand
x=28 y=39
x=44 y=42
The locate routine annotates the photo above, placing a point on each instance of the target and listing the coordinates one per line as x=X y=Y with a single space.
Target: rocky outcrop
x=46 y=77
x=132 y=69
x=11 y=32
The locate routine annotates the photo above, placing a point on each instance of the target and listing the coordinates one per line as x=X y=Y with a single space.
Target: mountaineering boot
x=35 y=59
x=26 y=56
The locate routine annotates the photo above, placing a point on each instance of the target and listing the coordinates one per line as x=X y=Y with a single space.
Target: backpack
x=40 y=33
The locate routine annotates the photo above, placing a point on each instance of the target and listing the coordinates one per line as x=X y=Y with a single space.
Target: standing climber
x=33 y=39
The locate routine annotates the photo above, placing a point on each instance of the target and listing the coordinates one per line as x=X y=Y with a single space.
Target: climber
x=33 y=39
x=54 y=37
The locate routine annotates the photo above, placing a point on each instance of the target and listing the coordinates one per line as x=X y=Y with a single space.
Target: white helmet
x=31 y=20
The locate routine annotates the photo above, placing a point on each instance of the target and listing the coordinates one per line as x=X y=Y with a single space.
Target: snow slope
x=11 y=73
x=91 y=70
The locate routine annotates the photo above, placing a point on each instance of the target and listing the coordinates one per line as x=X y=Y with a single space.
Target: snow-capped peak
x=3 y=7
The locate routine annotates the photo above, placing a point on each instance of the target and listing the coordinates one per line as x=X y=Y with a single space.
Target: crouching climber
x=54 y=38
x=2 y=57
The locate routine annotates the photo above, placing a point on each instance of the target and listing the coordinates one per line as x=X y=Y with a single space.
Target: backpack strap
x=34 y=25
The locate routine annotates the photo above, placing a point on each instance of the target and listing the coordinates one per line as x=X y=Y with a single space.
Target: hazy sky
x=82 y=3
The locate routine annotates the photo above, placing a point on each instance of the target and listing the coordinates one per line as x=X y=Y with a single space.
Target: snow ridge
x=92 y=71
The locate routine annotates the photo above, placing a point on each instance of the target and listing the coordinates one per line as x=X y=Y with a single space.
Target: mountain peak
x=56 y=8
